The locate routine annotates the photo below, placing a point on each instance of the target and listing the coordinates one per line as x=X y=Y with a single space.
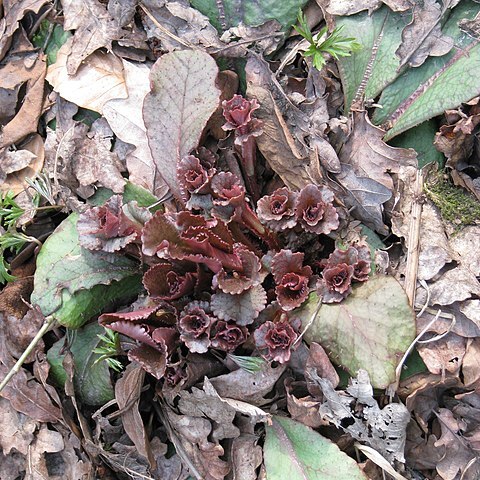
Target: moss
x=455 y=204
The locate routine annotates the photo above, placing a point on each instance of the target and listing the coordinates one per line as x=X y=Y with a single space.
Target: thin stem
x=47 y=325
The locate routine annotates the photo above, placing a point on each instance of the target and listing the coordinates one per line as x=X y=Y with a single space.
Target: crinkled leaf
x=92 y=378
x=366 y=196
x=248 y=386
x=423 y=36
x=385 y=430
x=183 y=97
x=94 y=28
x=297 y=452
x=243 y=308
x=73 y=284
x=369 y=330
x=249 y=12
x=370 y=156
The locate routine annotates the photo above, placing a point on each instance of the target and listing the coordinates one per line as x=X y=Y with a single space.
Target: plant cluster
x=222 y=274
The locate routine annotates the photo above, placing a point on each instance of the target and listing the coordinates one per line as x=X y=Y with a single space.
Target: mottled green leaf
x=370 y=330
x=295 y=452
x=92 y=380
x=230 y=13
x=73 y=284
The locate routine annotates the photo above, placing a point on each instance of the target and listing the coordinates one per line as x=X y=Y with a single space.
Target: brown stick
x=413 y=244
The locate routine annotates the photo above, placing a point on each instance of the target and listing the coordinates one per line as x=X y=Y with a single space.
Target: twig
x=47 y=325
x=413 y=246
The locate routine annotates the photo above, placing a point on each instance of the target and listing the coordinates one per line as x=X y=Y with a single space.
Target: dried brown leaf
x=444 y=355
x=434 y=247
x=319 y=362
x=14 y=11
x=286 y=155
x=423 y=36
x=94 y=28
x=305 y=409
x=46 y=442
x=192 y=434
x=93 y=162
x=34 y=148
x=127 y=393
x=99 y=78
x=125 y=116
x=471 y=363
x=383 y=429
x=454 y=285
x=17 y=429
x=30 y=398
x=25 y=121
x=458 y=453
x=248 y=387
x=370 y=156
x=199 y=403
x=246 y=457
x=350 y=7
x=183 y=97
x=183 y=21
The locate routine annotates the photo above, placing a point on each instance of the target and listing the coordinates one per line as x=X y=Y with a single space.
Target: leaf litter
x=233 y=230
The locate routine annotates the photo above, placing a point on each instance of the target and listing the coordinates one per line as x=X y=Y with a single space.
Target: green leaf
x=139 y=194
x=249 y=12
x=379 y=35
x=73 y=284
x=370 y=330
x=421 y=140
x=92 y=379
x=131 y=193
x=51 y=38
x=424 y=92
x=295 y=452
x=408 y=96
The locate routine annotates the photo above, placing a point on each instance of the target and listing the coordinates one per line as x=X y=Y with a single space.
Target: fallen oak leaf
x=423 y=36
x=94 y=28
x=369 y=156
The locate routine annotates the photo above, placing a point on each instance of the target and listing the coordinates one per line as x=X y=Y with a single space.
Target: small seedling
x=109 y=349
x=334 y=44
x=10 y=212
x=249 y=364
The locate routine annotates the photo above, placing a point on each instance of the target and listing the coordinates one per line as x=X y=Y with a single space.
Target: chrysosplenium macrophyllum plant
x=224 y=272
